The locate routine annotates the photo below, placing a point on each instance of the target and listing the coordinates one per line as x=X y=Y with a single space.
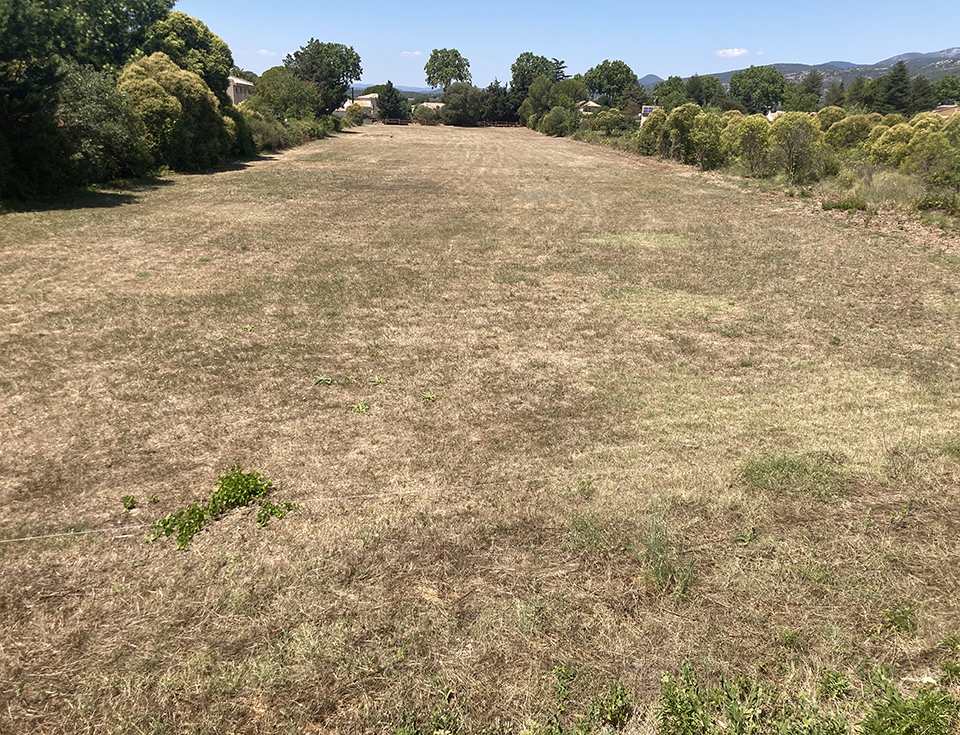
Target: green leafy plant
x=322 y=379
x=428 y=396
x=237 y=489
x=612 y=708
x=564 y=675
x=901 y=618
x=833 y=684
x=362 y=407
x=129 y=502
x=932 y=712
x=378 y=380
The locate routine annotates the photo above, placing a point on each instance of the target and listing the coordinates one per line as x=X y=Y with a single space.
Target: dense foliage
x=95 y=90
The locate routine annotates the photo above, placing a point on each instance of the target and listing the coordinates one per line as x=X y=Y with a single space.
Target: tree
x=947 y=89
x=708 y=149
x=573 y=88
x=897 y=93
x=391 y=105
x=607 y=80
x=496 y=104
x=795 y=137
x=559 y=70
x=282 y=94
x=528 y=67
x=330 y=67
x=184 y=127
x=704 y=90
x=633 y=98
x=855 y=95
x=923 y=95
x=109 y=32
x=679 y=132
x=106 y=138
x=671 y=93
x=804 y=96
x=835 y=96
x=538 y=99
x=31 y=143
x=192 y=46
x=751 y=142
x=461 y=104
x=758 y=89
x=446 y=66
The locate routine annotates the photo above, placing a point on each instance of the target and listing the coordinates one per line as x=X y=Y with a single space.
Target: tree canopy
x=331 y=67
x=189 y=44
x=391 y=105
x=446 y=66
x=758 y=89
x=528 y=67
x=608 y=80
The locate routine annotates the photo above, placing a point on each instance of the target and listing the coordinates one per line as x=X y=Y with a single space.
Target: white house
x=238 y=89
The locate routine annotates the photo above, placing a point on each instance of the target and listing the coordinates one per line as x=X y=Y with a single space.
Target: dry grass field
x=546 y=408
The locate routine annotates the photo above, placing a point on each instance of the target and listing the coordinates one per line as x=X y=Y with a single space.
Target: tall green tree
x=607 y=80
x=923 y=95
x=947 y=89
x=497 y=104
x=462 y=104
x=759 y=89
x=528 y=67
x=191 y=45
x=896 y=96
x=31 y=143
x=330 y=67
x=671 y=93
x=835 y=96
x=559 y=70
x=856 y=94
x=795 y=138
x=446 y=66
x=391 y=105
x=107 y=33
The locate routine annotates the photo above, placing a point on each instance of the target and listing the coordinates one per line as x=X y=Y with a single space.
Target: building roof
x=238 y=82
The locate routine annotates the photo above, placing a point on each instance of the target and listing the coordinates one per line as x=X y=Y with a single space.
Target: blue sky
x=394 y=39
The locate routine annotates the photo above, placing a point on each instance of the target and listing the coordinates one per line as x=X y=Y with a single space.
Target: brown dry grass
x=610 y=342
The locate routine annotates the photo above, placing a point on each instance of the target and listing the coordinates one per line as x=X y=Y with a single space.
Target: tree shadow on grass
x=117 y=193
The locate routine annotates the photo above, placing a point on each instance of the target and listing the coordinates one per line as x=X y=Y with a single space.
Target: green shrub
x=708 y=147
x=932 y=712
x=237 y=489
x=106 y=138
x=678 y=132
x=648 y=136
x=796 y=145
x=849 y=132
x=184 y=127
x=354 y=115
x=560 y=121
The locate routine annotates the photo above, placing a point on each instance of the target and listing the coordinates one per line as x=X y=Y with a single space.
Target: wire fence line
x=358 y=496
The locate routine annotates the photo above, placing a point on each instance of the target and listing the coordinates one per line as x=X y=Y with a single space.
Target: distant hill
x=932 y=65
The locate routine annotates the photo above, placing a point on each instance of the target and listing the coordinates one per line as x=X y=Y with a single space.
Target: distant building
x=238 y=89
x=646 y=110
x=947 y=110
x=589 y=106
x=367 y=101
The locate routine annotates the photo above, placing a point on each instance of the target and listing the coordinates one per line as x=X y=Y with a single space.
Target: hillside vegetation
x=545 y=422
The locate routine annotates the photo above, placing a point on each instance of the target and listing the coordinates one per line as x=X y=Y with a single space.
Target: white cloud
x=264 y=52
x=410 y=54
x=729 y=53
